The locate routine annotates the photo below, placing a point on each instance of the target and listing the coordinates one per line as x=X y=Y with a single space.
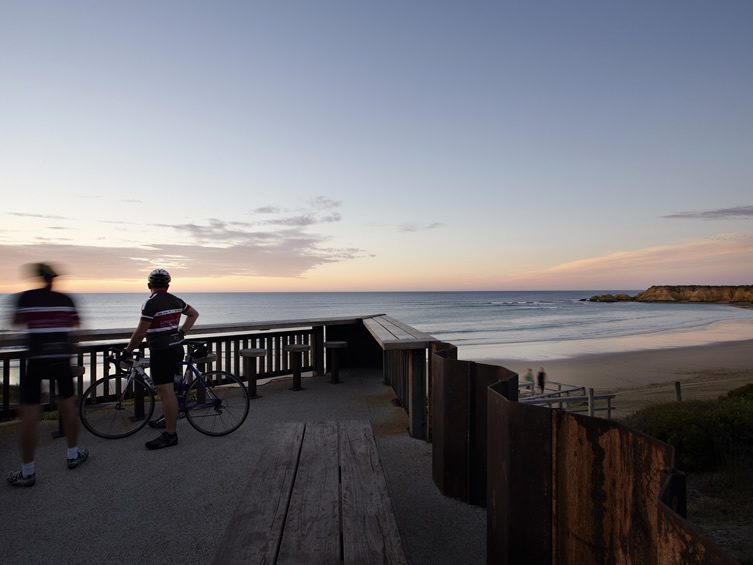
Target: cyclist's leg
x=165 y=364
x=67 y=402
x=169 y=406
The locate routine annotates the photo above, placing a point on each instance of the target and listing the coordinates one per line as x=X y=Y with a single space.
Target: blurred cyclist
x=50 y=318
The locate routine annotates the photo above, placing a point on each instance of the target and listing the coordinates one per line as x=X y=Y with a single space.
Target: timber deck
x=183 y=504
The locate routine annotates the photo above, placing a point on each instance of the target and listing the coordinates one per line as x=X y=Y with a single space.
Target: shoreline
x=643 y=377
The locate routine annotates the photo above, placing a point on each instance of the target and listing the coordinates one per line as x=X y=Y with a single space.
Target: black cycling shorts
x=58 y=370
x=164 y=364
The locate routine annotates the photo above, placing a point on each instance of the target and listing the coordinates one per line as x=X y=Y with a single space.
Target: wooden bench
x=404 y=366
x=316 y=495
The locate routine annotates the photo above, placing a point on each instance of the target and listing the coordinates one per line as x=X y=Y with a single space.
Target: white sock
x=28 y=469
x=72 y=452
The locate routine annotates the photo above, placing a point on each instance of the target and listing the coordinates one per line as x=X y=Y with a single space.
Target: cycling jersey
x=49 y=317
x=163 y=311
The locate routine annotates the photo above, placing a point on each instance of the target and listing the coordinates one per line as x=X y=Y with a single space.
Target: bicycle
x=216 y=403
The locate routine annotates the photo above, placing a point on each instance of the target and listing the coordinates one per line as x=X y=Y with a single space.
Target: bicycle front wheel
x=218 y=408
x=114 y=408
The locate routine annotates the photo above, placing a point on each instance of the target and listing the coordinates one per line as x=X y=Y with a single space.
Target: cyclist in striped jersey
x=160 y=323
x=50 y=318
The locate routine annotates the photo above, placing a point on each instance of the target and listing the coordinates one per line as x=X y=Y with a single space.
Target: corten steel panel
x=450 y=439
x=609 y=481
x=459 y=419
x=481 y=377
x=445 y=351
x=519 y=481
x=680 y=542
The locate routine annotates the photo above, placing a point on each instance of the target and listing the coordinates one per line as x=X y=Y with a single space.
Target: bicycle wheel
x=220 y=407
x=112 y=410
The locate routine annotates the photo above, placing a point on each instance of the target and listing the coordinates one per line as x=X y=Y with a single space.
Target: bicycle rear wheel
x=218 y=408
x=112 y=410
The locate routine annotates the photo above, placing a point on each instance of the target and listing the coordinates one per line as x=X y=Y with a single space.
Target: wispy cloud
x=411 y=227
x=280 y=246
x=283 y=257
x=736 y=213
x=43 y=216
x=723 y=259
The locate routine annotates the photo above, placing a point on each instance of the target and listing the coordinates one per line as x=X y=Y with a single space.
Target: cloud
x=723 y=259
x=739 y=212
x=280 y=246
x=411 y=227
x=43 y=216
x=275 y=257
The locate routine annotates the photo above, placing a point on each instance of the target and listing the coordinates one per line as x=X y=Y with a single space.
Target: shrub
x=706 y=434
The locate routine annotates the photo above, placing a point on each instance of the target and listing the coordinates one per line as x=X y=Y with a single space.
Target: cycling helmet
x=159 y=278
x=45 y=271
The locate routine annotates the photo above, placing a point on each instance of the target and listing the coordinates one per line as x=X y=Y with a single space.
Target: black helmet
x=159 y=278
x=45 y=271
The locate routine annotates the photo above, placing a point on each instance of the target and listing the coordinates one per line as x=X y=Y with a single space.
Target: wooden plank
x=370 y=533
x=393 y=336
x=312 y=529
x=410 y=330
x=378 y=331
x=255 y=528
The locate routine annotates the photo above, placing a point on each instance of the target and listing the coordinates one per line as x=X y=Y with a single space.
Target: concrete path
x=131 y=505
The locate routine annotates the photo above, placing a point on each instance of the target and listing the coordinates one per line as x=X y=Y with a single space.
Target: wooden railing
x=225 y=341
x=403 y=360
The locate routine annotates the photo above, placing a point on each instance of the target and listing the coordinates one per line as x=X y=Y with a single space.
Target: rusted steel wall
x=459 y=429
x=519 y=481
x=607 y=485
x=571 y=489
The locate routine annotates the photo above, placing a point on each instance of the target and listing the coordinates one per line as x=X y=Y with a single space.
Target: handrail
x=225 y=340
x=14 y=339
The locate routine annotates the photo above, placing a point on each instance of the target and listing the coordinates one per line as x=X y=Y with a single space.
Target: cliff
x=697 y=293
x=686 y=293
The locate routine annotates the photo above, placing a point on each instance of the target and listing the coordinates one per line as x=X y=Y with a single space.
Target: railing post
x=590 y=402
x=417 y=392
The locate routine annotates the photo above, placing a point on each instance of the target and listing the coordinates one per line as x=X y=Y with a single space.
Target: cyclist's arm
x=191 y=314
x=138 y=335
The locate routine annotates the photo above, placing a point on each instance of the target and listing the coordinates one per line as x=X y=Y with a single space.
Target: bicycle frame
x=137 y=371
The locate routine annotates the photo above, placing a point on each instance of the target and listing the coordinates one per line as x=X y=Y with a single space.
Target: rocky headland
x=740 y=295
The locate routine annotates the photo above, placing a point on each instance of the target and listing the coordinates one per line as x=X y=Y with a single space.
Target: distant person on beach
x=160 y=323
x=50 y=317
x=541 y=379
x=529 y=379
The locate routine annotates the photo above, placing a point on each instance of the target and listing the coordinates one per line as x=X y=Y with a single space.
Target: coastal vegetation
x=713 y=440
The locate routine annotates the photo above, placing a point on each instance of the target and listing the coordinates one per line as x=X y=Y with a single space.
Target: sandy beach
x=640 y=378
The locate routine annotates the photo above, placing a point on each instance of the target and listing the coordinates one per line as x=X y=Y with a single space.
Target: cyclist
x=50 y=318
x=160 y=323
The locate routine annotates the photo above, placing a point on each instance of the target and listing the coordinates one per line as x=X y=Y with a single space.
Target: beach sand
x=642 y=378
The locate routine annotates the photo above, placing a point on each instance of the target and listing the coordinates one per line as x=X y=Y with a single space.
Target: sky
x=376 y=146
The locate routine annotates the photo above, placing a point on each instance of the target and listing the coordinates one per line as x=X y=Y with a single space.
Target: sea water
x=493 y=325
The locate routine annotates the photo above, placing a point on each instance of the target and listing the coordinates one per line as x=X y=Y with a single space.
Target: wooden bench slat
x=370 y=533
x=417 y=334
x=312 y=530
x=255 y=529
x=392 y=334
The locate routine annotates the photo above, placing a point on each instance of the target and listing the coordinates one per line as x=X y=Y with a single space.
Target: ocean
x=500 y=325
